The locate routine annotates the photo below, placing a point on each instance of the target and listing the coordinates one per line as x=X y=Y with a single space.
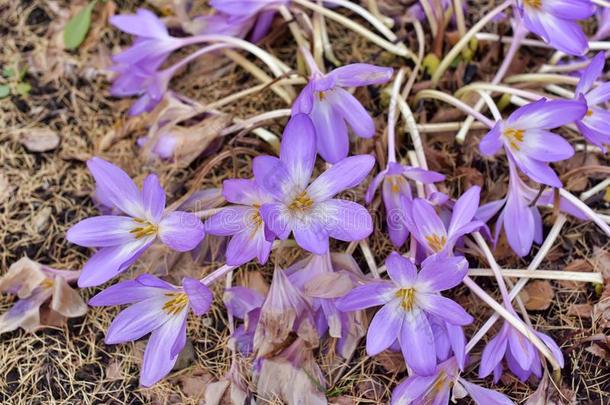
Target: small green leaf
x=8 y=72
x=23 y=89
x=76 y=29
x=5 y=90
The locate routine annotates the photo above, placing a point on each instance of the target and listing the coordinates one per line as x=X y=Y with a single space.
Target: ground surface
x=51 y=191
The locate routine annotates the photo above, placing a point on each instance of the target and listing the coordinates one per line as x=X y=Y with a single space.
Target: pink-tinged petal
x=493 y=353
x=423 y=176
x=401 y=270
x=491 y=142
x=411 y=389
x=484 y=396
x=144 y=24
x=444 y=308
x=272 y=175
x=544 y=114
x=537 y=170
x=158 y=360
x=241 y=191
x=352 y=111
x=276 y=219
x=108 y=262
x=346 y=220
x=417 y=342
x=153 y=198
x=241 y=300
x=545 y=146
x=200 y=296
x=311 y=235
x=486 y=211
x=181 y=231
x=117 y=187
x=331 y=131
x=102 y=231
x=125 y=292
x=569 y=9
x=599 y=94
x=361 y=74
x=231 y=220
x=343 y=175
x=464 y=209
x=246 y=245
x=591 y=73
x=137 y=320
x=25 y=313
x=518 y=224
x=564 y=35
x=521 y=349
x=366 y=296
x=298 y=149
x=370 y=192
x=553 y=347
x=439 y=272
x=384 y=328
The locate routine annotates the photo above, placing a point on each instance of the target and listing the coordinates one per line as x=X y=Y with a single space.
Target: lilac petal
x=484 y=396
x=144 y=23
x=384 y=328
x=276 y=219
x=440 y=272
x=231 y=220
x=108 y=262
x=538 y=231
x=117 y=186
x=411 y=389
x=599 y=94
x=493 y=353
x=423 y=176
x=347 y=173
x=365 y=296
x=428 y=223
x=200 y=296
x=346 y=220
x=181 y=231
x=311 y=235
x=518 y=224
x=158 y=360
x=538 y=171
x=458 y=343
x=102 y=231
x=246 y=245
x=238 y=7
x=149 y=280
x=569 y=9
x=521 y=349
x=153 y=198
x=262 y=26
x=271 y=175
x=566 y=36
x=241 y=191
x=486 y=211
x=397 y=197
x=491 y=142
x=553 y=347
x=544 y=114
x=304 y=101
x=401 y=270
x=125 y=292
x=353 y=112
x=444 y=308
x=360 y=74
x=298 y=149
x=331 y=131
x=239 y=301
x=137 y=320
x=417 y=343
x=536 y=145
x=591 y=73
x=370 y=192
x=464 y=209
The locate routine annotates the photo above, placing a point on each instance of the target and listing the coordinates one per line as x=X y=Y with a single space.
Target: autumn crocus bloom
x=158 y=308
x=256 y=15
x=429 y=230
x=595 y=125
x=520 y=217
x=397 y=195
x=437 y=388
x=243 y=222
x=407 y=300
x=331 y=107
x=526 y=138
x=121 y=239
x=308 y=210
x=556 y=21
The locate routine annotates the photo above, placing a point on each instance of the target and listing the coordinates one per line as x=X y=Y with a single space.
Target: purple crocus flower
x=603 y=24
x=243 y=221
x=521 y=356
x=595 y=125
x=397 y=195
x=520 y=219
x=437 y=388
x=143 y=81
x=330 y=106
x=158 y=308
x=556 y=21
x=123 y=238
x=309 y=211
x=526 y=138
x=430 y=231
x=245 y=304
x=255 y=14
x=407 y=301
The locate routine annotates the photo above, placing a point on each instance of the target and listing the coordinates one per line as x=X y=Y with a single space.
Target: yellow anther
x=514 y=137
x=301 y=202
x=436 y=243
x=47 y=283
x=589 y=113
x=407 y=298
x=145 y=228
x=534 y=3
x=176 y=303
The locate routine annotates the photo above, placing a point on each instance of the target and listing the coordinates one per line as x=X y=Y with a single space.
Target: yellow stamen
x=537 y=4
x=589 y=113
x=321 y=96
x=176 y=303
x=436 y=243
x=514 y=137
x=47 y=283
x=302 y=202
x=146 y=228
x=407 y=297
x=395 y=183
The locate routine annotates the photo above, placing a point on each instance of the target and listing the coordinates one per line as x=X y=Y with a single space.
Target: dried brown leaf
x=39 y=139
x=538 y=295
